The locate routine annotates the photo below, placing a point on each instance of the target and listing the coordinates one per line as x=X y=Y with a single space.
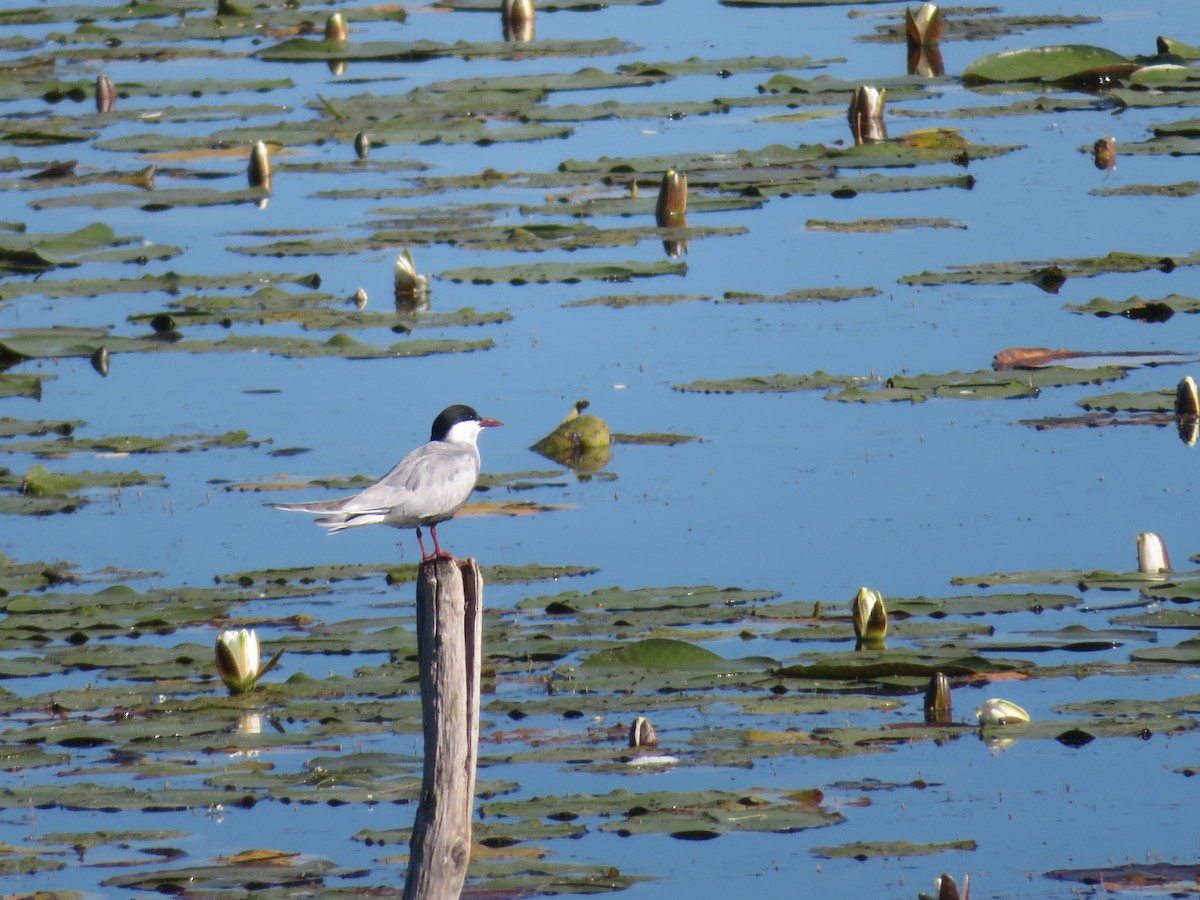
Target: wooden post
x=449 y=644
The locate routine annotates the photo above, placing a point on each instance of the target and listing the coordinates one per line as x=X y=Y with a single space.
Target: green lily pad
x=26 y=252
x=876 y=665
x=298 y=50
x=657 y=654
x=621 y=301
x=880 y=226
x=170 y=283
x=1057 y=63
x=770 y=384
x=1178 y=47
x=1138 y=308
x=985 y=384
x=1049 y=274
x=568 y=273
x=39 y=482
x=862 y=850
x=800 y=295
x=23 y=385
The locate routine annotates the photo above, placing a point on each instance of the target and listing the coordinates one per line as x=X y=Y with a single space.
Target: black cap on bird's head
x=453 y=415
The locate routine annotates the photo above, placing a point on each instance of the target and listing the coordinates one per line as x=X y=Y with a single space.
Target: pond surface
x=997 y=517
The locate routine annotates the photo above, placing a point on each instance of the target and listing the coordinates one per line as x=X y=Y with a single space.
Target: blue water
x=792 y=492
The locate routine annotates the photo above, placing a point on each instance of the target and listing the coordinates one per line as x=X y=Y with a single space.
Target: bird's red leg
x=438 y=551
x=421 y=544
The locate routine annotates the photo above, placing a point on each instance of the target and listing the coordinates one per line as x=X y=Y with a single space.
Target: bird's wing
x=433 y=480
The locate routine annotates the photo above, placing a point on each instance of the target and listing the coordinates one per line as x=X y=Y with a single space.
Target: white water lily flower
x=238 y=660
x=1001 y=712
x=870 y=617
x=1152 y=554
x=642 y=733
x=408 y=283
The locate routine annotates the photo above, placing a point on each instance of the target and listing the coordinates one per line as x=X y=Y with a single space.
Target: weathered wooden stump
x=449 y=644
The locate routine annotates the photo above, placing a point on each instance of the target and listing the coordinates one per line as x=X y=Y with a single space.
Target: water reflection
x=1187 y=410
x=411 y=288
x=926 y=61
x=866 y=115
x=1189 y=430
x=938 y=703
x=518 y=18
x=923 y=30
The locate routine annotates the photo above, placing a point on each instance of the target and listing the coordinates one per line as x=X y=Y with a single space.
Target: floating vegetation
x=1050 y=274
x=34 y=253
x=505 y=164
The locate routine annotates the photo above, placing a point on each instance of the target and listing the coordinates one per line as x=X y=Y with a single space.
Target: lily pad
x=27 y=252
x=863 y=850
x=771 y=384
x=800 y=295
x=299 y=50
x=567 y=273
x=1057 y=63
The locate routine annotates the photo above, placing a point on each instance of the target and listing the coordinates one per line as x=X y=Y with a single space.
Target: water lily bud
x=145 y=178
x=336 y=30
x=870 y=617
x=1104 y=154
x=106 y=94
x=362 y=145
x=948 y=890
x=642 y=734
x=237 y=659
x=1152 y=554
x=259 y=172
x=1187 y=401
x=582 y=442
x=924 y=27
x=937 y=698
x=672 y=199
x=518 y=18
x=100 y=361
x=1001 y=712
x=409 y=285
x=866 y=114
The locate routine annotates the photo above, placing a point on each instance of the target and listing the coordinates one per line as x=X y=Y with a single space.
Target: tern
x=428 y=486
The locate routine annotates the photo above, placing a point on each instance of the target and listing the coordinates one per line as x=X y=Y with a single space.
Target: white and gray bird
x=428 y=486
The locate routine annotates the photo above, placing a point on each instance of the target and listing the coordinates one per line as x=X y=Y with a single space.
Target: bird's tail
x=319 y=507
x=334 y=515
